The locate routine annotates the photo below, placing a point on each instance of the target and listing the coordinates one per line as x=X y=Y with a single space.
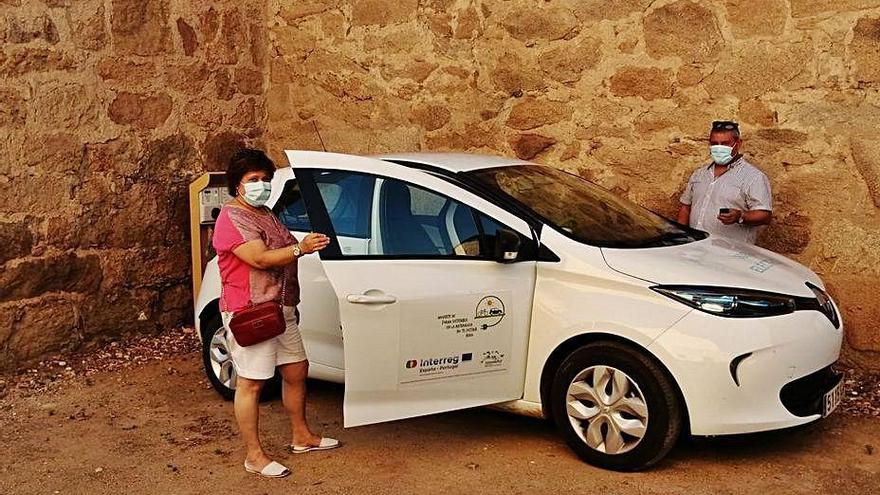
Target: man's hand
x=313 y=242
x=729 y=218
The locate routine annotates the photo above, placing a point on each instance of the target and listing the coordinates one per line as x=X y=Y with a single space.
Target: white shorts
x=258 y=361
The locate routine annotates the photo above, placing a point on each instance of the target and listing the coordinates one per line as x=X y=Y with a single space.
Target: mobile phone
x=724 y=211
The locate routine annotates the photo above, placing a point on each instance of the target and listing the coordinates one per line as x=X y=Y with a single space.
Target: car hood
x=715 y=261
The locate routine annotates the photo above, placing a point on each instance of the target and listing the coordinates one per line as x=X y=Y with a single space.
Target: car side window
x=291 y=209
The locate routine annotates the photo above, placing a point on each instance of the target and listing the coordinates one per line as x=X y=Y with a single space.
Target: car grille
x=803 y=397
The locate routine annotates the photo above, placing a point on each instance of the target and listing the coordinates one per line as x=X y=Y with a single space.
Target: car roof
x=452 y=162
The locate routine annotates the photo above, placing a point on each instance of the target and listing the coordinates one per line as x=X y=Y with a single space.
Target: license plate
x=832 y=399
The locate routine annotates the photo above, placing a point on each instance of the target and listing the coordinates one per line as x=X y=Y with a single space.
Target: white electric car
x=455 y=281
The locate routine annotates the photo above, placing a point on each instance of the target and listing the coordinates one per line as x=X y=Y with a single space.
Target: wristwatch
x=297 y=252
x=741 y=218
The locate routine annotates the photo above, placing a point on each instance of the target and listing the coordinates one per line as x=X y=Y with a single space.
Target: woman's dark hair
x=243 y=161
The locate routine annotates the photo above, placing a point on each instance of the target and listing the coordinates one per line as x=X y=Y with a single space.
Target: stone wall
x=108 y=109
x=620 y=92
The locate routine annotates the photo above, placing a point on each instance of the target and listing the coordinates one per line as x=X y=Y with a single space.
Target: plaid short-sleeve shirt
x=242 y=283
x=743 y=186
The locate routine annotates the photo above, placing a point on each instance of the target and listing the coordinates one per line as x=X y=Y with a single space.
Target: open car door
x=431 y=322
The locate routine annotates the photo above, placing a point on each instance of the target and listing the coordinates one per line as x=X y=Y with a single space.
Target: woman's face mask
x=256 y=193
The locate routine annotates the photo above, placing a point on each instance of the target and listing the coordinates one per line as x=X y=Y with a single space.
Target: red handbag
x=259 y=322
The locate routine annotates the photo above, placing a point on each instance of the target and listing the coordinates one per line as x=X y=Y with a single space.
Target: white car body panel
x=718 y=262
x=581 y=295
x=379 y=338
x=590 y=290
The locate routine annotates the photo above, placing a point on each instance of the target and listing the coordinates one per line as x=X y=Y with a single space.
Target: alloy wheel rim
x=221 y=361
x=607 y=409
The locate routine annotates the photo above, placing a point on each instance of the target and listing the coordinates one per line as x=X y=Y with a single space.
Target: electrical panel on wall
x=211 y=199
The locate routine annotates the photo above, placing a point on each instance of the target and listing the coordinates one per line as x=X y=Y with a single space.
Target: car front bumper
x=743 y=375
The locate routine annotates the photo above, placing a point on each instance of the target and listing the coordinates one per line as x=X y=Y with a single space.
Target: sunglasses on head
x=725 y=125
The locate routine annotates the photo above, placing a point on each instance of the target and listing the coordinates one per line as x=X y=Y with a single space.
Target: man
x=729 y=197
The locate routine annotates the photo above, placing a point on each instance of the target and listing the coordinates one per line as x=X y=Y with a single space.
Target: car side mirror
x=507 y=243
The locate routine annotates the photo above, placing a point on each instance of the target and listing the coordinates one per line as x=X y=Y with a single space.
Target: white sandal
x=325 y=444
x=271 y=470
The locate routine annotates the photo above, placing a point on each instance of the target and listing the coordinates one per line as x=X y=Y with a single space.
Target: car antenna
x=315 y=125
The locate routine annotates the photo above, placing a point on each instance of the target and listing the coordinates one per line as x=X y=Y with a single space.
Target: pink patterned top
x=242 y=283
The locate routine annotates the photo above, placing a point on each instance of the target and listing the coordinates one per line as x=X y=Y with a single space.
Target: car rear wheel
x=616 y=408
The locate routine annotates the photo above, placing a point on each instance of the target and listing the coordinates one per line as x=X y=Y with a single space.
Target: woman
x=258 y=263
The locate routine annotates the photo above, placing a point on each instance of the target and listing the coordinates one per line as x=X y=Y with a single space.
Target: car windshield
x=584 y=210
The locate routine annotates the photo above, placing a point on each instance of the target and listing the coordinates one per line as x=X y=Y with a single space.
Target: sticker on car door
x=456 y=336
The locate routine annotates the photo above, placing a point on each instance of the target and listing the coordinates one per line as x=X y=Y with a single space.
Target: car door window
x=348 y=198
x=417 y=222
x=291 y=209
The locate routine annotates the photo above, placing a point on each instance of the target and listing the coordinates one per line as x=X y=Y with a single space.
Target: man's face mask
x=256 y=193
x=721 y=154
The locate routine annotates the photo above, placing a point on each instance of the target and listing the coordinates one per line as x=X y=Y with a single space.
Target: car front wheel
x=216 y=357
x=616 y=407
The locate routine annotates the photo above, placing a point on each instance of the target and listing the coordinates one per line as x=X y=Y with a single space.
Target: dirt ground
x=157 y=428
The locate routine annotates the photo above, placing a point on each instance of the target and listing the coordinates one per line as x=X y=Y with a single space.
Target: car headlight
x=730 y=302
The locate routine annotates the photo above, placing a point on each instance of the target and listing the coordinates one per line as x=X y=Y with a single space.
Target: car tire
x=615 y=407
x=218 y=363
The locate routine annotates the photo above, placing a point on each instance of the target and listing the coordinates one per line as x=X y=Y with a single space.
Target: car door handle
x=370 y=299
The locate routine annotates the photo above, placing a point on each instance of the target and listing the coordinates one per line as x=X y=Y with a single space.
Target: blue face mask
x=721 y=154
x=256 y=193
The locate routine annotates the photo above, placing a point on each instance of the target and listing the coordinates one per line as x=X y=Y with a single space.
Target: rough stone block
x=231 y=41
x=759 y=68
x=567 y=63
x=683 y=29
x=24 y=60
x=119 y=312
x=756 y=112
x=865 y=50
x=382 y=12
x=856 y=296
x=529 y=24
x=219 y=147
x=808 y=8
x=787 y=235
x=87 y=25
x=650 y=83
x=126 y=73
x=746 y=22
x=13 y=112
x=188 y=38
x=532 y=113
x=248 y=81
x=292 y=12
x=866 y=155
x=145 y=111
x=48 y=325
x=528 y=146
x=16 y=240
x=27 y=29
x=431 y=117
x=599 y=10
x=140 y=26
x=33 y=277
x=69 y=106
x=189 y=78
